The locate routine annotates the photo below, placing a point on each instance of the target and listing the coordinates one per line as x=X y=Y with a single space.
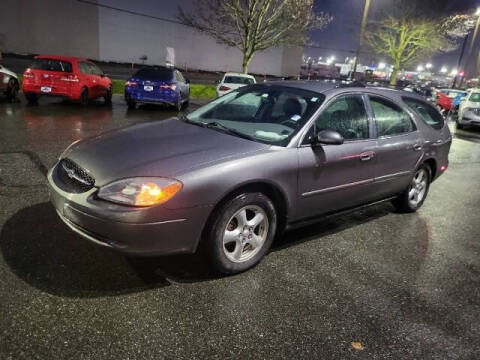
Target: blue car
x=158 y=85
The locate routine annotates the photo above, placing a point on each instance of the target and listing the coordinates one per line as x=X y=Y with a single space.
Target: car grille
x=72 y=178
x=476 y=111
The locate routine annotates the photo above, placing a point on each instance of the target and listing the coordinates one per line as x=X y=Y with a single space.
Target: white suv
x=233 y=81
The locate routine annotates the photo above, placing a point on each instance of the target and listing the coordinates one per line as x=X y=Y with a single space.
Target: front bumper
x=166 y=97
x=469 y=118
x=126 y=229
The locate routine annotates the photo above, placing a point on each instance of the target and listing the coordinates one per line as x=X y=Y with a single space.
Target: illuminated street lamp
x=454 y=72
x=420 y=68
x=429 y=66
x=444 y=70
x=381 y=66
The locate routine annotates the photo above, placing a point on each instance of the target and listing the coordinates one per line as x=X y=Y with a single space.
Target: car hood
x=161 y=148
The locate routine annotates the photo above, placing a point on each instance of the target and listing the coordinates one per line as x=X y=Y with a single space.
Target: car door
x=97 y=80
x=399 y=146
x=88 y=78
x=184 y=88
x=335 y=177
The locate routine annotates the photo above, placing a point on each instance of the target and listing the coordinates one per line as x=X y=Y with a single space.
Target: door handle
x=417 y=147
x=366 y=156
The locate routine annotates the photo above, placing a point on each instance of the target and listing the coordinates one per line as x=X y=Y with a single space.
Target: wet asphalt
x=374 y=284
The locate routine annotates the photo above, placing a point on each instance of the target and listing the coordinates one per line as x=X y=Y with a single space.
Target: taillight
x=131 y=84
x=172 y=87
x=70 y=78
x=224 y=88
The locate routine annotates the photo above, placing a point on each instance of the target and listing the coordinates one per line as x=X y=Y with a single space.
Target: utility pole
x=362 y=31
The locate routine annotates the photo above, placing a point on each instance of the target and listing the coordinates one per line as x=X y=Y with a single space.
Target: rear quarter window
x=52 y=65
x=426 y=112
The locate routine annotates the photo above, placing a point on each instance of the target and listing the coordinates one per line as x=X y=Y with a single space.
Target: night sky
x=340 y=38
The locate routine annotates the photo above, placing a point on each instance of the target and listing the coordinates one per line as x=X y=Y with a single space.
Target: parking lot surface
x=374 y=284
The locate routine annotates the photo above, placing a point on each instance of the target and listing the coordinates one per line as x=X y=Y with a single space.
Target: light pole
x=362 y=31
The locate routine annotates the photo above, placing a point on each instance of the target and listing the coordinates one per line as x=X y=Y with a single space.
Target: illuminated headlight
x=141 y=191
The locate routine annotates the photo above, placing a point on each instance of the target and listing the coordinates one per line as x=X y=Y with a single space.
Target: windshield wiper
x=215 y=125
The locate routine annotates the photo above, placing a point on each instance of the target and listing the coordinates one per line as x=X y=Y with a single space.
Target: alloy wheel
x=418 y=188
x=245 y=233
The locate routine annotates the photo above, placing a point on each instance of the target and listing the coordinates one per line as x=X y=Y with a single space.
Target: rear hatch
x=51 y=75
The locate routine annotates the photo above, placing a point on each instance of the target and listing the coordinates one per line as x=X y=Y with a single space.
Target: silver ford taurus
x=238 y=171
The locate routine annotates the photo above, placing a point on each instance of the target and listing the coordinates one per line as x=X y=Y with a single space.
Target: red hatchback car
x=68 y=77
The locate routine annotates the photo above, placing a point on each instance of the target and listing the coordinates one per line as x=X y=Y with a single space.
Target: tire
x=12 y=89
x=31 y=98
x=84 y=97
x=132 y=105
x=108 y=96
x=186 y=104
x=413 y=198
x=459 y=126
x=247 y=241
x=178 y=105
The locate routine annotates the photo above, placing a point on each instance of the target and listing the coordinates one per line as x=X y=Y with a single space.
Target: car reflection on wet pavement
x=371 y=284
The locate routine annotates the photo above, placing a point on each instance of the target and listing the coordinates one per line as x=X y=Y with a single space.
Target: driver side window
x=347 y=116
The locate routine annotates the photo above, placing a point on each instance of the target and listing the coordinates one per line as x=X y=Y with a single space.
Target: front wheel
x=459 y=126
x=108 y=96
x=241 y=232
x=413 y=197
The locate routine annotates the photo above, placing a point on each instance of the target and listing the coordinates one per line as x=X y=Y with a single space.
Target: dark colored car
x=159 y=85
x=68 y=77
x=241 y=169
x=8 y=83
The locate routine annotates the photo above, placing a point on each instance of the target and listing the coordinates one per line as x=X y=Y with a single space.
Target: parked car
x=237 y=171
x=469 y=111
x=8 y=83
x=449 y=99
x=233 y=81
x=67 y=77
x=160 y=85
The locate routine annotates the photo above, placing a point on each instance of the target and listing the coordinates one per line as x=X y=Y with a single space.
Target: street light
x=420 y=68
x=444 y=70
x=454 y=72
x=429 y=66
x=381 y=66
x=362 y=31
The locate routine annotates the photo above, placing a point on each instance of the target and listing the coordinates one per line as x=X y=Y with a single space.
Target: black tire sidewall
x=84 y=97
x=403 y=202
x=216 y=228
x=13 y=88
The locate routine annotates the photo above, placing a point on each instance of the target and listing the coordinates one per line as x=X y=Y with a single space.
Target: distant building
x=126 y=31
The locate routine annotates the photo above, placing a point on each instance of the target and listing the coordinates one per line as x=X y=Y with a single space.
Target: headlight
x=141 y=191
x=68 y=148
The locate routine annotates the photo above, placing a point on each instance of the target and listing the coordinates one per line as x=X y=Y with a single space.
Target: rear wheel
x=31 y=98
x=413 y=197
x=131 y=104
x=12 y=89
x=108 y=96
x=240 y=232
x=178 y=105
x=84 y=97
x=459 y=126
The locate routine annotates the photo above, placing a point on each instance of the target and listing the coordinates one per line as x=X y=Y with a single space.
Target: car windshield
x=238 y=80
x=475 y=97
x=267 y=114
x=155 y=74
x=52 y=65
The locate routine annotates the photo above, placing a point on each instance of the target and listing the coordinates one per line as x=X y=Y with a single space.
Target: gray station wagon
x=238 y=171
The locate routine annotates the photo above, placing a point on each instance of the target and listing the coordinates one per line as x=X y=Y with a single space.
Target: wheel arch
x=432 y=164
x=271 y=190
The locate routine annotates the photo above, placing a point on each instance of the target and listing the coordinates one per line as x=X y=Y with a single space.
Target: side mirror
x=103 y=75
x=187 y=81
x=329 y=137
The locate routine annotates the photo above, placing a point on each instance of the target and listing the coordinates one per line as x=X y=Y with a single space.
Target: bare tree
x=255 y=25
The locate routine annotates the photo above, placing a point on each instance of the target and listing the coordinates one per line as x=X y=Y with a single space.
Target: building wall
x=65 y=27
x=123 y=31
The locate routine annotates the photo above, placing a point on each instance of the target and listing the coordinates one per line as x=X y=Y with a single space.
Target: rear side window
x=430 y=115
x=155 y=74
x=84 y=68
x=391 y=119
x=238 y=80
x=52 y=65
